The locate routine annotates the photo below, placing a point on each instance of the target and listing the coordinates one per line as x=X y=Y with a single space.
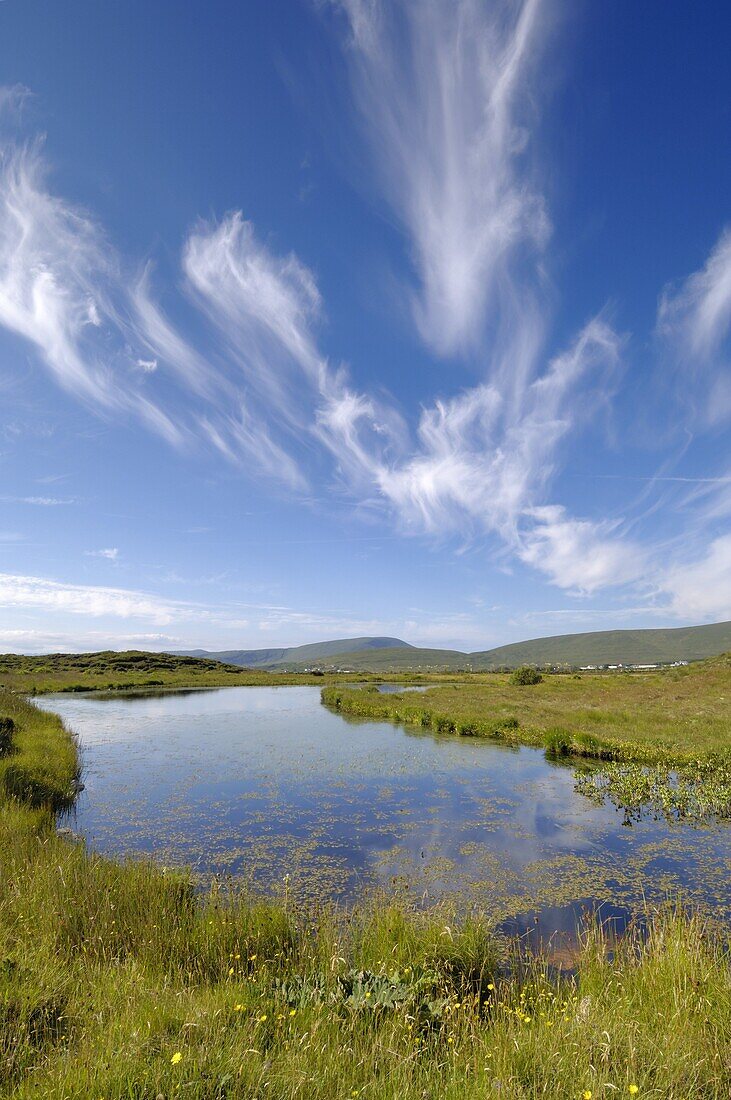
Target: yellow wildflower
x=586 y=1095
x=177 y=1057
x=633 y=1090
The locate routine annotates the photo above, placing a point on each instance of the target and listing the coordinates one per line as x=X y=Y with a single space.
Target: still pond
x=267 y=785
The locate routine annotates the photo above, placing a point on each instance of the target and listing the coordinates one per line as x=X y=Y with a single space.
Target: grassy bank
x=119 y=981
x=111 y=671
x=676 y=716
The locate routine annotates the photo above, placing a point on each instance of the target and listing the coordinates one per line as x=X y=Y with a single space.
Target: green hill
x=609 y=647
x=602 y=647
x=399 y=658
x=300 y=656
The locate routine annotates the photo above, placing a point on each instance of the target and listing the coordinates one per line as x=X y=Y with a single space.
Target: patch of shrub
x=525 y=676
x=445 y=725
x=7 y=729
x=557 y=742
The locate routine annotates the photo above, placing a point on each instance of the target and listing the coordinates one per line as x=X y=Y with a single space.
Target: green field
x=118 y=981
x=671 y=716
x=111 y=671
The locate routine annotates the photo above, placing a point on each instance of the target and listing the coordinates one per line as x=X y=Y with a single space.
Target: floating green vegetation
x=700 y=792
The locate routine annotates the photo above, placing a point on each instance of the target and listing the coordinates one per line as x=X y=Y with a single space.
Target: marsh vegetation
x=119 y=980
x=132 y=670
x=674 y=716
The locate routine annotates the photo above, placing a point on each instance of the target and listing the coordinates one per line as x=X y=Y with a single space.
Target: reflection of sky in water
x=265 y=782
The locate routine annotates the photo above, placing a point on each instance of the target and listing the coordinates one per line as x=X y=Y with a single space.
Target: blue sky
x=334 y=318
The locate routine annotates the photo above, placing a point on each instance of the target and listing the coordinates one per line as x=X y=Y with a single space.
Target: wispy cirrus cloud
x=444 y=93
x=699 y=309
x=40 y=502
x=474 y=463
x=58 y=287
x=694 y=321
x=480 y=459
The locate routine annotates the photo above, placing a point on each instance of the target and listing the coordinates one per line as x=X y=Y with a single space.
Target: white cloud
x=150 y=327
x=41 y=502
x=262 y=304
x=694 y=320
x=111 y=553
x=17 y=591
x=13 y=99
x=482 y=458
x=44 y=641
x=578 y=554
x=481 y=461
x=442 y=89
x=58 y=281
x=699 y=310
x=701 y=589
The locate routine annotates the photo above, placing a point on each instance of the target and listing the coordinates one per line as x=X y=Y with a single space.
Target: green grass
x=119 y=981
x=111 y=671
x=675 y=716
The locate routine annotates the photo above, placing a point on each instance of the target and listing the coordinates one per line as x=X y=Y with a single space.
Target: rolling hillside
x=602 y=647
x=685 y=643
x=299 y=656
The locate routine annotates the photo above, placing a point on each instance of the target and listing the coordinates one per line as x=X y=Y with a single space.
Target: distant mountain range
x=299 y=656
x=601 y=647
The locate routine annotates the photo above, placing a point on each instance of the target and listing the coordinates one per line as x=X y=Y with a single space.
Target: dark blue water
x=267 y=785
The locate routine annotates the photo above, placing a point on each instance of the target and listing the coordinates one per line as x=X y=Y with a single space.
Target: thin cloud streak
x=441 y=88
x=693 y=323
x=56 y=286
x=699 y=310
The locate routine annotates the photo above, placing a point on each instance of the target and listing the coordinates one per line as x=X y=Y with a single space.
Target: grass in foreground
x=118 y=981
x=676 y=716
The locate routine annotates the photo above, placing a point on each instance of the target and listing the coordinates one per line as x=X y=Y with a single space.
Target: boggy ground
x=119 y=981
x=140 y=670
x=674 y=716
